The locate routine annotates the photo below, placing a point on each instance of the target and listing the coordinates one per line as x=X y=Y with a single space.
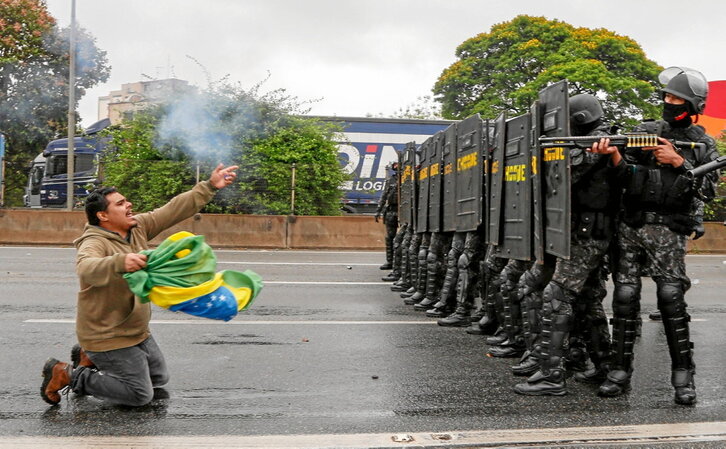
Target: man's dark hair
x=96 y=202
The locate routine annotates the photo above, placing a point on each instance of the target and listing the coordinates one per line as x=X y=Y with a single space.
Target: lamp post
x=70 y=188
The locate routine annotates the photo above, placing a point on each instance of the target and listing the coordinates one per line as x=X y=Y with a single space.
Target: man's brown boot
x=56 y=377
x=79 y=357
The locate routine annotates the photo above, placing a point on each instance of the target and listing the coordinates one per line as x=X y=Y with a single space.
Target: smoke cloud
x=194 y=124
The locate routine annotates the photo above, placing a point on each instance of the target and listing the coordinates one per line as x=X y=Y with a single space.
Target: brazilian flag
x=180 y=275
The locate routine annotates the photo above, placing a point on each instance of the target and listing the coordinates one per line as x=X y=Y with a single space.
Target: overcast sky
x=359 y=57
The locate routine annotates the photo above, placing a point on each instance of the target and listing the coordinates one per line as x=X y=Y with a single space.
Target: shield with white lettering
x=422 y=177
x=516 y=224
x=554 y=114
x=469 y=173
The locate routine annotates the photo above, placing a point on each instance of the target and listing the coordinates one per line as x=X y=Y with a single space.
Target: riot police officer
x=388 y=206
x=660 y=205
x=595 y=202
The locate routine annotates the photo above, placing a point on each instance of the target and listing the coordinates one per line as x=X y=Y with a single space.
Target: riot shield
x=406 y=203
x=448 y=206
x=537 y=195
x=486 y=154
x=496 y=181
x=555 y=121
x=422 y=210
x=516 y=224
x=469 y=180
x=435 y=181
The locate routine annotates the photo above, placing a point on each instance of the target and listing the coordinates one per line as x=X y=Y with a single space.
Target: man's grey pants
x=125 y=376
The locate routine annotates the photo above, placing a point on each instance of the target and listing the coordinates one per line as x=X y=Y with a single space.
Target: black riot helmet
x=685 y=83
x=585 y=109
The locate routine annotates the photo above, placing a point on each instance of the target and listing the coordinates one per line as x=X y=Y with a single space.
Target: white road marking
x=324 y=283
x=263 y=322
x=242 y=322
x=547 y=437
x=341 y=264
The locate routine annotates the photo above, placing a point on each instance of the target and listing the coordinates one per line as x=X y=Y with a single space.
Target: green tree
x=504 y=69
x=34 y=83
x=716 y=209
x=307 y=146
x=262 y=133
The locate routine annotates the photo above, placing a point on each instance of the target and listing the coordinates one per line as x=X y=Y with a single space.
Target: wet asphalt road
x=314 y=356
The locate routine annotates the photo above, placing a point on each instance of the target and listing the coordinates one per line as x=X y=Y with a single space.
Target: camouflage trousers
x=652 y=250
x=572 y=278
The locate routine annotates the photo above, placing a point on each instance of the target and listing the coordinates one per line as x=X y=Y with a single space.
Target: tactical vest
x=662 y=194
x=595 y=199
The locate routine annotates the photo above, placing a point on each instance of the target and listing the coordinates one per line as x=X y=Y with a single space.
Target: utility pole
x=70 y=188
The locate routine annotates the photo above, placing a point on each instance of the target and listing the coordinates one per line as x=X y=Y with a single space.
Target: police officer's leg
x=466 y=285
x=531 y=286
x=413 y=264
x=403 y=282
x=397 y=241
x=592 y=325
x=672 y=306
x=624 y=323
x=390 y=219
x=556 y=324
x=433 y=282
x=420 y=286
x=513 y=346
x=447 y=296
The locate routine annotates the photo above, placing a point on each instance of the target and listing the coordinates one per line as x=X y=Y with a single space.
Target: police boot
x=681 y=350
x=576 y=359
x=528 y=365
x=386 y=266
x=655 y=316
x=425 y=304
x=487 y=325
x=414 y=299
x=460 y=318
x=440 y=310
x=682 y=381
x=598 y=347
x=408 y=293
x=596 y=371
x=392 y=276
x=549 y=380
x=617 y=381
x=499 y=337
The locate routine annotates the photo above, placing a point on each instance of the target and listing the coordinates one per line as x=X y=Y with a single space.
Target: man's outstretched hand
x=223 y=176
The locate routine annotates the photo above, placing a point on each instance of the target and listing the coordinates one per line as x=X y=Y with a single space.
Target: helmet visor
x=696 y=81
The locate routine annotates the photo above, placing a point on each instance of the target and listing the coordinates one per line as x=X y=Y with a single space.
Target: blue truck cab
x=53 y=187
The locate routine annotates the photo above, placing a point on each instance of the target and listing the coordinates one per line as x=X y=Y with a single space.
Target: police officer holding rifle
x=659 y=212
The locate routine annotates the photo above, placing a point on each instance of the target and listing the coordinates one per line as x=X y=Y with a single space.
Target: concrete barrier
x=350 y=232
x=58 y=227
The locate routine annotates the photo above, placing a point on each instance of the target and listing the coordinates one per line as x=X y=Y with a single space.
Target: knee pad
x=463 y=262
x=431 y=257
x=626 y=300
x=671 y=300
x=554 y=296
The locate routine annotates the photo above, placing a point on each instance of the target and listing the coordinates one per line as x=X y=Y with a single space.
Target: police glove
x=377 y=217
x=699 y=231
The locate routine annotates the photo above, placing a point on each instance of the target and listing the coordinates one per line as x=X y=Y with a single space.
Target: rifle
x=707 y=167
x=622 y=141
